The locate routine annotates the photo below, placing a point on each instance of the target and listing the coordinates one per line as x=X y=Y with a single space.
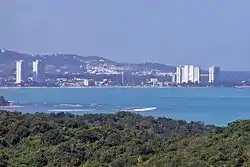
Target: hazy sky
x=173 y=32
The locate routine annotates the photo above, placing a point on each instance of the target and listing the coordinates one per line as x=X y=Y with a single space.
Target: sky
x=173 y=32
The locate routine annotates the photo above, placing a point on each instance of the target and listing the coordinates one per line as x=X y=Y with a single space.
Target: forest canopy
x=112 y=140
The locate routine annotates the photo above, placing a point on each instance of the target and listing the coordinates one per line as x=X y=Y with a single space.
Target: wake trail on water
x=141 y=109
x=68 y=105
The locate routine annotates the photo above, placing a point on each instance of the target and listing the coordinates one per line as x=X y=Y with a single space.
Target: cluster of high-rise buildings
x=192 y=74
x=184 y=74
x=22 y=71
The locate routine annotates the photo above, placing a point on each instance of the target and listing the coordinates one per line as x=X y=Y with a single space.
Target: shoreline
x=2 y=88
x=115 y=87
x=111 y=87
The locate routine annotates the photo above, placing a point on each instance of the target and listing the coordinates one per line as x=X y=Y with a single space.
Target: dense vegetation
x=117 y=140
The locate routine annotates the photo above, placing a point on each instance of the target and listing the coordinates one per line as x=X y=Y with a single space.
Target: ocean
x=217 y=106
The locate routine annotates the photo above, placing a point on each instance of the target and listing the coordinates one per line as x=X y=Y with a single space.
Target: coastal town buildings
x=185 y=75
x=154 y=81
x=88 y=82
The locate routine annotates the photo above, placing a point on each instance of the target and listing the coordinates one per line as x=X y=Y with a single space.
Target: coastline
x=101 y=87
x=107 y=87
x=116 y=87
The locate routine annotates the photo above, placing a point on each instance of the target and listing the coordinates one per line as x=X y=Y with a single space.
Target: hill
x=72 y=63
x=227 y=148
x=92 y=140
x=113 y=140
x=57 y=64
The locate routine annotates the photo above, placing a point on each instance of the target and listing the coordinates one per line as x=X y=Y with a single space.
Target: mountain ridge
x=74 y=62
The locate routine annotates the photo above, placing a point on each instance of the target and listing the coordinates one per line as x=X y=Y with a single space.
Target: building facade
x=187 y=74
x=179 y=75
x=88 y=82
x=38 y=71
x=21 y=72
x=174 y=80
x=214 y=75
x=196 y=75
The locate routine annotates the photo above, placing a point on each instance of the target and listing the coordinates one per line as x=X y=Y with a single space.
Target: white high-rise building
x=196 y=75
x=188 y=73
x=179 y=74
x=174 y=78
x=38 y=71
x=21 y=72
x=185 y=74
x=191 y=73
x=214 y=74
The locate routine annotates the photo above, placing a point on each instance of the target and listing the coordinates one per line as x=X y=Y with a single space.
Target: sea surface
x=209 y=105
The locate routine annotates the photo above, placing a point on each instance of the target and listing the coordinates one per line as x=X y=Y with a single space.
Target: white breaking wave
x=11 y=106
x=70 y=105
x=141 y=109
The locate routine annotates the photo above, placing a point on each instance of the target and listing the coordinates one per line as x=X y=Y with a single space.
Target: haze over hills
x=72 y=63
x=76 y=64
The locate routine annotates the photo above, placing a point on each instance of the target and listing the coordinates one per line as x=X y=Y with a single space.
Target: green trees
x=117 y=139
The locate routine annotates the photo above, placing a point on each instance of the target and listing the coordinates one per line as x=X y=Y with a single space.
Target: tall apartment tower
x=187 y=73
x=196 y=75
x=174 y=78
x=179 y=75
x=21 y=72
x=214 y=74
x=38 y=71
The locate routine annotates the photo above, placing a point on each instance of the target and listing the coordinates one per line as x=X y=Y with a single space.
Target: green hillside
x=117 y=140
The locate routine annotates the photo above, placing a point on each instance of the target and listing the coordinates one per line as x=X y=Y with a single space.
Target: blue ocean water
x=210 y=105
